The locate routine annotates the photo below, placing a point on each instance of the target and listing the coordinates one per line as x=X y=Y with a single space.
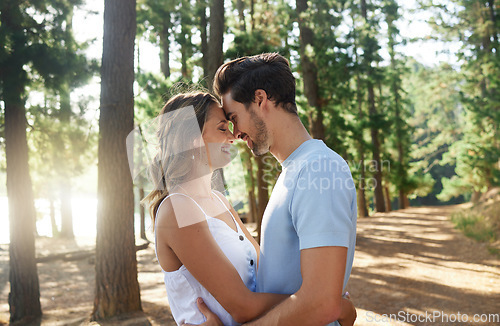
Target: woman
x=202 y=246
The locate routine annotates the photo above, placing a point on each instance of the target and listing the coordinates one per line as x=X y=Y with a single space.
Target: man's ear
x=260 y=97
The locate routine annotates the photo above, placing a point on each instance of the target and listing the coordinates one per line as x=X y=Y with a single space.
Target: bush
x=475 y=226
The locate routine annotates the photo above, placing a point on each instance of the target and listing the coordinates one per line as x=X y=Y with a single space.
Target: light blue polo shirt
x=313 y=204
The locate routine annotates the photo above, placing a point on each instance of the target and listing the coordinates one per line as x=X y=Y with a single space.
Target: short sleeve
x=322 y=204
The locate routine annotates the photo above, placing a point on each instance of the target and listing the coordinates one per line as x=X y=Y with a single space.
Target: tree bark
x=142 y=213
x=24 y=296
x=252 y=14
x=361 y=194
x=387 y=199
x=262 y=195
x=252 y=206
x=372 y=111
x=165 y=46
x=185 y=38
x=204 y=38
x=64 y=169
x=117 y=288
x=55 y=231
x=240 y=5
x=215 y=54
x=310 y=74
x=401 y=172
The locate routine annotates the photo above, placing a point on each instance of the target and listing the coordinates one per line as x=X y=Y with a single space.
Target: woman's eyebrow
x=222 y=121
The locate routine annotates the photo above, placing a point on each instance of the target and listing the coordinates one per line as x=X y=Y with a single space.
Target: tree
x=27 y=34
x=476 y=26
x=117 y=288
x=396 y=105
x=370 y=48
x=216 y=38
x=310 y=71
x=155 y=17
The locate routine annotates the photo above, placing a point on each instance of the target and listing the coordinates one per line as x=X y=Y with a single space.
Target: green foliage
x=59 y=150
x=474 y=226
x=476 y=152
x=38 y=37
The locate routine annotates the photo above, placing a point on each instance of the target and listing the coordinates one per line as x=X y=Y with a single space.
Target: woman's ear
x=198 y=142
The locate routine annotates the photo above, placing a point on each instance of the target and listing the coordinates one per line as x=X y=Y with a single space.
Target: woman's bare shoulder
x=179 y=210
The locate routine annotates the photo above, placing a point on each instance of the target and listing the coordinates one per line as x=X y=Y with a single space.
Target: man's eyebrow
x=228 y=115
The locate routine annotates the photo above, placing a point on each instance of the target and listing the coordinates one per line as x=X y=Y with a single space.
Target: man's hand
x=212 y=319
x=348 y=314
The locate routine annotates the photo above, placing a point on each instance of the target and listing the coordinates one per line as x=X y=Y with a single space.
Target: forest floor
x=411 y=268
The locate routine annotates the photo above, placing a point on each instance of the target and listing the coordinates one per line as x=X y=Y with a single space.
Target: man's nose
x=236 y=132
x=230 y=137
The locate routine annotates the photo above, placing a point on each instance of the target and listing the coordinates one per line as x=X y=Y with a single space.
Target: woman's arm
x=196 y=248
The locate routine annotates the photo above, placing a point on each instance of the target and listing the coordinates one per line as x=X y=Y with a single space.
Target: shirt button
x=241 y=238
x=251 y=262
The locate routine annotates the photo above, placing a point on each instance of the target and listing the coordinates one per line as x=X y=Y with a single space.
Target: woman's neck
x=199 y=186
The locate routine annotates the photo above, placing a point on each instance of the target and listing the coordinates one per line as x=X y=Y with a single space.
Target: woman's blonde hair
x=172 y=163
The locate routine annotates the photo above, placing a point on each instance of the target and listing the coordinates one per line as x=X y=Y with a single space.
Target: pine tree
x=117 y=287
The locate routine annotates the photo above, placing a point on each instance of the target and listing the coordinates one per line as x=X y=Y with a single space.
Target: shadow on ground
x=412 y=261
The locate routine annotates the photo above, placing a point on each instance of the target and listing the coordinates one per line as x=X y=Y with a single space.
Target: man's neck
x=287 y=136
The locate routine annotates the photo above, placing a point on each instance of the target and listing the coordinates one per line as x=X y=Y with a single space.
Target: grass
x=475 y=226
x=494 y=251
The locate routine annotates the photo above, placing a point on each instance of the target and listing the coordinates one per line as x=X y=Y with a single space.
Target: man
x=309 y=225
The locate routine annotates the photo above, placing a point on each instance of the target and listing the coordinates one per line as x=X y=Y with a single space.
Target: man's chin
x=259 y=151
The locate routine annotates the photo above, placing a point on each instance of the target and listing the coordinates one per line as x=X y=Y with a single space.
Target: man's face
x=247 y=124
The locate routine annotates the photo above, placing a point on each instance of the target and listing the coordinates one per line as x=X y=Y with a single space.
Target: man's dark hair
x=267 y=71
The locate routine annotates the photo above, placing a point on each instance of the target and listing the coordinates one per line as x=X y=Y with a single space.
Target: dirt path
x=407 y=262
x=411 y=262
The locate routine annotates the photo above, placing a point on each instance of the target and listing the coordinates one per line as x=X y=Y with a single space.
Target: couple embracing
x=215 y=272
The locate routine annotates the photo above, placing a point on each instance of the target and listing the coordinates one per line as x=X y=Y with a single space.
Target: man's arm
x=318 y=301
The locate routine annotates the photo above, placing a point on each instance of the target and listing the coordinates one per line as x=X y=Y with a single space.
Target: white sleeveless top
x=183 y=289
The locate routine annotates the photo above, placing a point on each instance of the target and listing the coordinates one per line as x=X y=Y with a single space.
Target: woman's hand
x=212 y=319
x=348 y=311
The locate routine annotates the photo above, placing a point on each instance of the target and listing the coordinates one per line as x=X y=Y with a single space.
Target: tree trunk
x=117 y=288
x=252 y=206
x=24 y=296
x=372 y=110
x=252 y=14
x=165 y=47
x=387 y=199
x=262 y=195
x=204 y=39
x=310 y=74
x=185 y=38
x=401 y=172
x=64 y=170
x=215 y=55
x=55 y=231
x=361 y=194
x=142 y=213
x=379 y=194
x=66 y=211
x=240 y=5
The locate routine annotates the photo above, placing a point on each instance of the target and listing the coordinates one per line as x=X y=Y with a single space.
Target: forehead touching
x=216 y=114
x=229 y=105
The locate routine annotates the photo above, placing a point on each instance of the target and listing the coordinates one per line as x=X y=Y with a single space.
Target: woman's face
x=217 y=137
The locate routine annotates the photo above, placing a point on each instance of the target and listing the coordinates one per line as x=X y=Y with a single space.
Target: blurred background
x=407 y=92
